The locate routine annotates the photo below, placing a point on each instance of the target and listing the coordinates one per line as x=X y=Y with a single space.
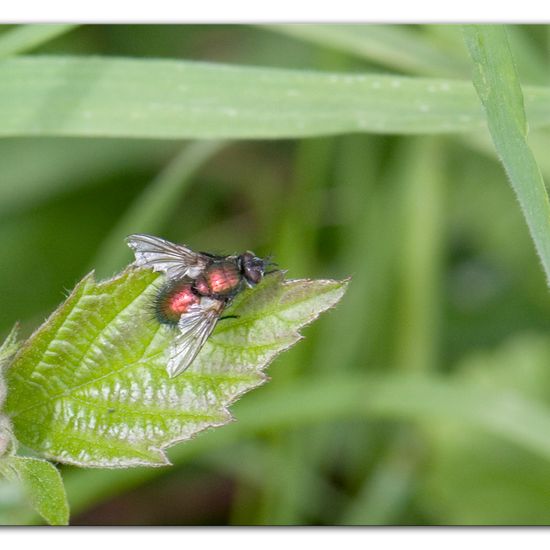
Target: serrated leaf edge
x=160 y=452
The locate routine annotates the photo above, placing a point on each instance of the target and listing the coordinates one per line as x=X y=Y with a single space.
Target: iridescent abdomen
x=219 y=279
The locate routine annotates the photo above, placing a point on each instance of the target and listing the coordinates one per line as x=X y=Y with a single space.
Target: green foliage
x=502 y=483
x=7 y=351
x=90 y=386
x=152 y=205
x=401 y=47
x=179 y=99
x=42 y=484
x=498 y=86
x=422 y=398
x=40 y=480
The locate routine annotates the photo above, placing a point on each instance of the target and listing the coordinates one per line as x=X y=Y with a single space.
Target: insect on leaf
x=90 y=386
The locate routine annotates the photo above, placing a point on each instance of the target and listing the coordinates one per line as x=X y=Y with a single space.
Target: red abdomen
x=174 y=300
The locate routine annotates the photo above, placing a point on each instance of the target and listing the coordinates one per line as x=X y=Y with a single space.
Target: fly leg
x=229 y=317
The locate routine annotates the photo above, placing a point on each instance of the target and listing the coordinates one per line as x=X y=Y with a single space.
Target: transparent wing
x=173 y=259
x=194 y=327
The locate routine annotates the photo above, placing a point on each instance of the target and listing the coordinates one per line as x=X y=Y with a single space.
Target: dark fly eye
x=252 y=268
x=253 y=274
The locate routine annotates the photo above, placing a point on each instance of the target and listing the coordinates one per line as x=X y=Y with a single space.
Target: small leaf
x=90 y=386
x=7 y=351
x=43 y=485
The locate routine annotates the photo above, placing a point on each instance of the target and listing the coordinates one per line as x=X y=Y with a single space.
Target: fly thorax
x=222 y=278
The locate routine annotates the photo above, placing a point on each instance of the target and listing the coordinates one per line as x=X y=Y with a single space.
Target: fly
x=198 y=288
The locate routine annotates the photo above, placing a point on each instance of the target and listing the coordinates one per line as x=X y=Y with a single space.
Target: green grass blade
x=55 y=96
x=357 y=161
x=387 y=488
x=411 y=397
x=418 y=320
x=498 y=86
x=282 y=493
x=397 y=46
x=26 y=37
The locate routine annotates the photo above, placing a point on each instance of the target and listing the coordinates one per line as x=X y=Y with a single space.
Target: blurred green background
x=446 y=288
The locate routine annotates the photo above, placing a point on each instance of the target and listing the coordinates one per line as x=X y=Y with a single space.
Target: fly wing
x=173 y=259
x=194 y=327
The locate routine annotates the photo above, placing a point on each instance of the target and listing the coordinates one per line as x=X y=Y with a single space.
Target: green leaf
x=498 y=86
x=42 y=484
x=79 y=96
x=90 y=386
x=8 y=349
